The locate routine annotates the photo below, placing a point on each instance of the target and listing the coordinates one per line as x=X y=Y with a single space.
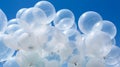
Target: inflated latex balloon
x=52 y=63
x=87 y=20
x=107 y=27
x=98 y=44
x=20 y=12
x=64 y=19
x=28 y=42
x=31 y=59
x=32 y=17
x=75 y=61
x=113 y=57
x=12 y=28
x=61 y=43
x=11 y=63
x=5 y=52
x=117 y=65
x=11 y=40
x=12 y=21
x=3 y=21
x=49 y=10
x=95 y=62
x=71 y=31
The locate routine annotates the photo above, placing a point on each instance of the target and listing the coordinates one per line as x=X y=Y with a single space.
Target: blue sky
x=109 y=10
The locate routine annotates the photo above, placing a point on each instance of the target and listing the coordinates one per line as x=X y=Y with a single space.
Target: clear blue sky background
x=109 y=9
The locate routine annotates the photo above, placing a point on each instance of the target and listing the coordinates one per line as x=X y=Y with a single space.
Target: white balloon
x=12 y=28
x=5 y=52
x=64 y=19
x=49 y=10
x=32 y=17
x=29 y=59
x=11 y=63
x=28 y=42
x=114 y=56
x=87 y=20
x=52 y=63
x=98 y=44
x=107 y=27
x=20 y=12
x=95 y=62
x=75 y=61
x=12 y=21
x=3 y=21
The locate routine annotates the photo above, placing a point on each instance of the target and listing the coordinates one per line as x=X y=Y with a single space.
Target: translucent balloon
x=5 y=52
x=65 y=53
x=107 y=27
x=114 y=41
x=60 y=44
x=20 y=12
x=29 y=59
x=52 y=63
x=12 y=28
x=64 y=19
x=87 y=20
x=41 y=34
x=80 y=44
x=28 y=42
x=32 y=17
x=55 y=36
x=75 y=61
x=11 y=63
x=95 y=62
x=49 y=10
x=12 y=21
x=71 y=31
x=98 y=44
x=3 y=21
x=11 y=40
x=117 y=65
x=114 y=56
x=19 y=32
x=74 y=35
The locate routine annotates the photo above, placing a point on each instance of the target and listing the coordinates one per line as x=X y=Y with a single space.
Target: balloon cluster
x=43 y=37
